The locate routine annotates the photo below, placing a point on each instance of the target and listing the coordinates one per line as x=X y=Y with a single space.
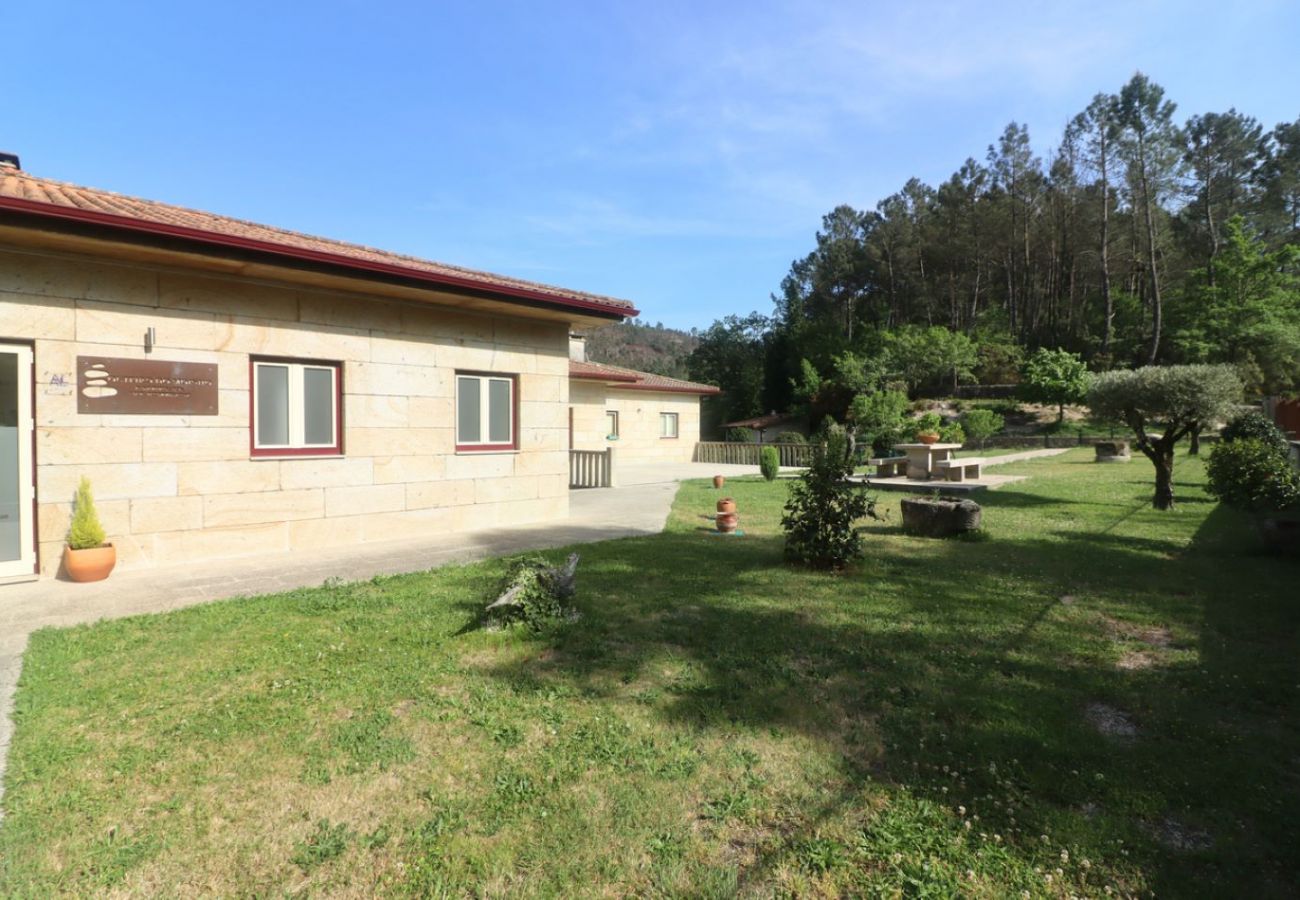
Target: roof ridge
x=94 y=197
x=642 y=376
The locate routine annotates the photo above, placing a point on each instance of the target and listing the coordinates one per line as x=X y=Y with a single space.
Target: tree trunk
x=1156 y=312
x=1194 y=449
x=1162 y=457
x=1109 y=330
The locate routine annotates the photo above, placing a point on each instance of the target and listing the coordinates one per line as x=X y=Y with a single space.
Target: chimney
x=577 y=348
x=9 y=161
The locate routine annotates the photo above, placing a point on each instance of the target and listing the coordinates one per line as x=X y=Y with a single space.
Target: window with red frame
x=485 y=412
x=297 y=408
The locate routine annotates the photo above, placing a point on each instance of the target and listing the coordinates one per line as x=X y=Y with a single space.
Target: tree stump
x=940 y=517
x=1112 y=451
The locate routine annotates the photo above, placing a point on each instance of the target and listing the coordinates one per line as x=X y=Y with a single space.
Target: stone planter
x=940 y=517
x=718 y=482
x=1112 y=451
x=726 y=505
x=726 y=522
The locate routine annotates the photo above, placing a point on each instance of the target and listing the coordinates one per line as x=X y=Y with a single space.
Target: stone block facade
x=639 y=439
x=172 y=488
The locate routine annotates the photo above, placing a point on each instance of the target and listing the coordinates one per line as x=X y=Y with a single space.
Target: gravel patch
x=1176 y=836
x=1110 y=721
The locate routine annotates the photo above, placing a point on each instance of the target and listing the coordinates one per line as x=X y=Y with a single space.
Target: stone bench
x=889 y=466
x=966 y=469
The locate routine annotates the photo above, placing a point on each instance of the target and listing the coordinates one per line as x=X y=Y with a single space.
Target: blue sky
x=676 y=154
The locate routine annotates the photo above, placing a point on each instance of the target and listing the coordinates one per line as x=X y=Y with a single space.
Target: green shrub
x=982 y=424
x=791 y=437
x=820 y=515
x=739 y=435
x=952 y=433
x=1253 y=475
x=1258 y=426
x=85 y=531
x=879 y=418
x=930 y=422
x=1057 y=377
x=769 y=463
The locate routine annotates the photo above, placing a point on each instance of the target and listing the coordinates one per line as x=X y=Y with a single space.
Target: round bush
x=740 y=435
x=791 y=437
x=769 y=463
x=1258 y=426
x=1251 y=474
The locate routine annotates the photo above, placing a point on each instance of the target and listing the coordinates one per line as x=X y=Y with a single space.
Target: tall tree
x=1281 y=177
x=1223 y=151
x=730 y=355
x=1017 y=174
x=1151 y=145
x=1097 y=128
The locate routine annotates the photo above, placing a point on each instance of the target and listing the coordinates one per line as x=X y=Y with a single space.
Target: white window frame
x=296 y=405
x=611 y=415
x=485 y=444
x=665 y=417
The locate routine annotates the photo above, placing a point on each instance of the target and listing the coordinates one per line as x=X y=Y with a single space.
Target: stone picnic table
x=921 y=458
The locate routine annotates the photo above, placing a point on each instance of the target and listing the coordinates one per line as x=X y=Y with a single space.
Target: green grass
x=715 y=724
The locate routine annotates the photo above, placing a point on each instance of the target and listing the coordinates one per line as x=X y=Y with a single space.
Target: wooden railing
x=728 y=453
x=591 y=468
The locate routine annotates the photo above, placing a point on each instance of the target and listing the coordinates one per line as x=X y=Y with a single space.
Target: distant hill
x=639 y=345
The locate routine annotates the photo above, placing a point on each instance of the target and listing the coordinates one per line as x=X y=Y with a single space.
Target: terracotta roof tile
x=631 y=379
x=58 y=197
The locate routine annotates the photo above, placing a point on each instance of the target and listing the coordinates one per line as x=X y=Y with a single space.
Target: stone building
x=643 y=417
x=231 y=388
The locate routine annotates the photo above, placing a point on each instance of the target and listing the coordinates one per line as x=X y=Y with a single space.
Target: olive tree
x=1177 y=398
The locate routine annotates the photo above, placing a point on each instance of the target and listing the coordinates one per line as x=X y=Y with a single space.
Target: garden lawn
x=716 y=723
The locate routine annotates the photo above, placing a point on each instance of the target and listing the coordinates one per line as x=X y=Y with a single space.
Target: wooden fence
x=591 y=468
x=728 y=453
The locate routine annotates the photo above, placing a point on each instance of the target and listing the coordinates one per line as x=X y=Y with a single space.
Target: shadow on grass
x=961 y=654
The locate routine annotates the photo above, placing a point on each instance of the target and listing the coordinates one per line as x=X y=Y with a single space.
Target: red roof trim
x=146 y=226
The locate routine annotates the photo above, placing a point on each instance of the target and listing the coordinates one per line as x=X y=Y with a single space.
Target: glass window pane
x=611 y=423
x=272 y=405
x=11 y=538
x=468 y=394
x=318 y=405
x=499 y=411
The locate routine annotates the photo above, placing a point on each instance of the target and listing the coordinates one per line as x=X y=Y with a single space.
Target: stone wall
x=638 y=410
x=176 y=488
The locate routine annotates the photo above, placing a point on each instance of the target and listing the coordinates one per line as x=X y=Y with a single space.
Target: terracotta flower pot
x=726 y=505
x=927 y=437
x=726 y=522
x=93 y=564
x=719 y=481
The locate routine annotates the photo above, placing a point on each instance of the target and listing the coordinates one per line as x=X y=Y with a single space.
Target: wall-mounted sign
x=147 y=387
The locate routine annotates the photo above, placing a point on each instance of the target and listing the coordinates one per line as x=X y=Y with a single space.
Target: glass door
x=17 y=538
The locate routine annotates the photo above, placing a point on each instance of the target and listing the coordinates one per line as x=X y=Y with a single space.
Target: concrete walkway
x=1023 y=455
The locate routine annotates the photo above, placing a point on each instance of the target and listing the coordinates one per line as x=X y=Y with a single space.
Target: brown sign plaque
x=147 y=387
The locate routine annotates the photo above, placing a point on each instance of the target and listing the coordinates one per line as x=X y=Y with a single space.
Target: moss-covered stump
x=940 y=516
